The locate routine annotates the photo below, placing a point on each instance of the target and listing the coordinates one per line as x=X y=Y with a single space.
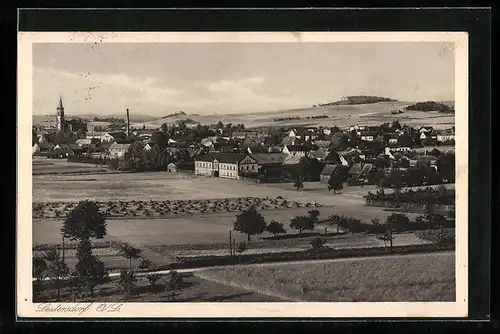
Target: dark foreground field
x=195 y=290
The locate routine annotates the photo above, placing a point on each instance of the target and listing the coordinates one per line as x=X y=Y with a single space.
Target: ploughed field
x=396 y=278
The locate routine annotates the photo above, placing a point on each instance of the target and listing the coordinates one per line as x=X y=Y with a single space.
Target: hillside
x=339 y=115
x=328 y=115
x=359 y=99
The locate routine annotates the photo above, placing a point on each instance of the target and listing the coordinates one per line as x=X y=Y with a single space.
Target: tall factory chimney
x=128 y=124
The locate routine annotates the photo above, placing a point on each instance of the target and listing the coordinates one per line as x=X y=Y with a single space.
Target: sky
x=157 y=79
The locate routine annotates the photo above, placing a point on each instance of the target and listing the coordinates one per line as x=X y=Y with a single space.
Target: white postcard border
x=25 y=306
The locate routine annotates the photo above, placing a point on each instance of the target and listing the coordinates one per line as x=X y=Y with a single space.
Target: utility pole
x=63 y=248
x=230 y=244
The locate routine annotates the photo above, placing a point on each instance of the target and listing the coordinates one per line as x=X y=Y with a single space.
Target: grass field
x=45 y=166
x=175 y=186
x=408 y=278
x=195 y=229
x=195 y=290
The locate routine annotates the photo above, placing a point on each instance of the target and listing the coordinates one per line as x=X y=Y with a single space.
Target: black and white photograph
x=253 y=173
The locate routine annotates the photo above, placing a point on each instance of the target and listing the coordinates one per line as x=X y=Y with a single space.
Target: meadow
x=396 y=278
x=44 y=166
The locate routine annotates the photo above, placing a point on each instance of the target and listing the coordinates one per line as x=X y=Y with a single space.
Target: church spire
x=60 y=103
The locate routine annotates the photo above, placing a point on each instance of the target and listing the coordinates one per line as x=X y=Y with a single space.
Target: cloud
x=97 y=93
x=234 y=86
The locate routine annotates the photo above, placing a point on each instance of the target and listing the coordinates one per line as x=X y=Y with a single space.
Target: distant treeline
x=431 y=106
x=298 y=118
x=109 y=119
x=359 y=99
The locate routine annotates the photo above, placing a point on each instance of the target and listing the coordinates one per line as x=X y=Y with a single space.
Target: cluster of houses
x=249 y=153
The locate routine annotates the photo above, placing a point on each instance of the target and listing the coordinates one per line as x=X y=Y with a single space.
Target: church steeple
x=60 y=107
x=61 y=123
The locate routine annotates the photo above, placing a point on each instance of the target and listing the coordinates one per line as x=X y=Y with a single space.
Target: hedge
x=324 y=253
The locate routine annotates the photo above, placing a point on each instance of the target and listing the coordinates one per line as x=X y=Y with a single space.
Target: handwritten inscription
x=79 y=308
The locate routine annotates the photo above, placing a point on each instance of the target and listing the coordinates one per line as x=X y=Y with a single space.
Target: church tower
x=60 y=116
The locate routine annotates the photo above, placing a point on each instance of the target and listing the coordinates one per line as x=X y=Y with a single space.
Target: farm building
x=366 y=169
x=319 y=154
x=322 y=143
x=355 y=170
x=297 y=150
x=42 y=148
x=327 y=172
x=254 y=162
x=118 y=150
x=172 y=168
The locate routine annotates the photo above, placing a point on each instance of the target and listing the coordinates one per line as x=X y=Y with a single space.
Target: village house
x=148 y=147
x=239 y=134
x=254 y=162
x=107 y=136
x=42 y=148
x=393 y=139
x=326 y=173
x=118 y=150
x=320 y=154
x=296 y=150
x=172 y=167
x=223 y=165
x=367 y=136
x=355 y=170
x=322 y=143
x=66 y=150
x=446 y=135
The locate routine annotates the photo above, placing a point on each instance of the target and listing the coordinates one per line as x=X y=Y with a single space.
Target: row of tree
x=82 y=224
x=439 y=195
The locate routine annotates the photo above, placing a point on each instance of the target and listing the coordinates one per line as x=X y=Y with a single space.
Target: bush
x=153 y=278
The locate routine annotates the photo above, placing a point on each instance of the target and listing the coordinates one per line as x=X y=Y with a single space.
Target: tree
x=395 y=221
x=275 y=228
x=84 y=222
x=335 y=183
x=334 y=220
x=39 y=271
x=299 y=183
x=89 y=270
x=314 y=215
x=127 y=282
x=153 y=278
x=376 y=226
x=437 y=236
x=340 y=141
x=57 y=269
x=250 y=222
x=446 y=166
x=302 y=223
x=145 y=264
x=317 y=244
x=164 y=128
x=34 y=138
x=159 y=138
x=130 y=253
x=240 y=248
x=175 y=283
